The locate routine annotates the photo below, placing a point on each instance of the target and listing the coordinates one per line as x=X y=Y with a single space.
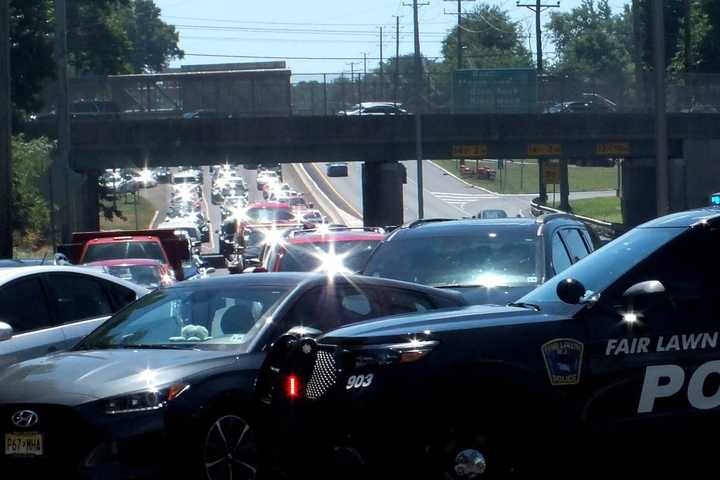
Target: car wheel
x=465 y=454
x=230 y=449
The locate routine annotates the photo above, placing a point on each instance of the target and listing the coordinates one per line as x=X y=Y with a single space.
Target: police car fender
x=663 y=381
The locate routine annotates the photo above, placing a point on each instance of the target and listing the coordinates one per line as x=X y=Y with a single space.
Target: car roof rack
x=333 y=229
x=556 y=216
x=423 y=221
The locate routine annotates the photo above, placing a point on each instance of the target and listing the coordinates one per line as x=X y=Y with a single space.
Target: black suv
x=489 y=261
x=616 y=361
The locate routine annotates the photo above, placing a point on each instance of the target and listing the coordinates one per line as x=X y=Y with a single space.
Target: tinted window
x=609 y=263
x=77 y=297
x=121 y=296
x=117 y=251
x=333 y=306
x=338 y=256
x=575 y=244
x=560 y=258
x=269 y=214
x=482 y=257
x=23 y=306
x=395 y=301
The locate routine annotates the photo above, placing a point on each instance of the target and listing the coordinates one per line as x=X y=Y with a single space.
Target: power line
x=289 y=30
x=294 y=40
x=275 y=57
x=259 y=22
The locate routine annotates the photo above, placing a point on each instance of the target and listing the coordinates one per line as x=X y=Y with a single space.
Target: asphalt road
x=160 y=197
x=443 y=195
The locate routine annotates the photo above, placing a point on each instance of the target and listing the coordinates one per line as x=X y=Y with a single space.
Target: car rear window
x=121 y=250
x=349 y=256
x=501 y=257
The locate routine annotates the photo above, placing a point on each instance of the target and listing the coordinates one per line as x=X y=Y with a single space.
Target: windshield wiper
x=152 y=347
x=460 y=285
x=530 y=306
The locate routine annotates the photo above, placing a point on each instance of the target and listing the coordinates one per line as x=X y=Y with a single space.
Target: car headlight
x=396 y=353
x=144 y=401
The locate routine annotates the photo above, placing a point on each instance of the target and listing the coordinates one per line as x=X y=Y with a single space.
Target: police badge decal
x=563 y=360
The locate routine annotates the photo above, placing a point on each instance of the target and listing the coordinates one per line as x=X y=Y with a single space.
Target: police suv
x=614 y=361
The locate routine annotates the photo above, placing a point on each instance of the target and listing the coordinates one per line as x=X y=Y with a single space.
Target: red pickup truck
x=161 y=245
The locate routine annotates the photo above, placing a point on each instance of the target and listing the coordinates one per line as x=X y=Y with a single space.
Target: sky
x=321 y=36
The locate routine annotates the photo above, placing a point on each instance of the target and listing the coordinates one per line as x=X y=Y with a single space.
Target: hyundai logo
x=24 y=418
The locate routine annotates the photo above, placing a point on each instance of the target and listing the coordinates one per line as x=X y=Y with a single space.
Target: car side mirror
x=209 y=270
x=6 y=332
x=570 y=291
x=643 y=294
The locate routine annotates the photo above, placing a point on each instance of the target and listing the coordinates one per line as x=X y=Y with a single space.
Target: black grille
x=324 y=376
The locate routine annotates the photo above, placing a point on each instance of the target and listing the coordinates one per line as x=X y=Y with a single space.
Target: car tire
x=228 y=447
x=474 y=453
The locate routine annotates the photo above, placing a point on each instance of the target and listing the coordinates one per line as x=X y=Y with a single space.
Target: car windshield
x=205 y=318
x=261 y=214
x=184 y=179
x=120 y=250
x=297 y=202
x=148 y=276
x=502 y=257
x=348 y=256
x=601 y=269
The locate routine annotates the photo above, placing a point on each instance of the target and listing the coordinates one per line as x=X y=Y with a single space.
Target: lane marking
x=463 y=212
x=152 y=222
x=329 y=184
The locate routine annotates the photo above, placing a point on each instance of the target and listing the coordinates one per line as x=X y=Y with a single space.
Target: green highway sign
x=504 y=90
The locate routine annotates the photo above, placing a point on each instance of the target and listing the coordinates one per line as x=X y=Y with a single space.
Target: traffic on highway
x=371 y=241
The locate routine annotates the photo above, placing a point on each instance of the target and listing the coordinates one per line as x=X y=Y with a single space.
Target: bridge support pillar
x=564 y=186
x=638 y=202
x=701 y=175
x=89 y=212
x=382 y=194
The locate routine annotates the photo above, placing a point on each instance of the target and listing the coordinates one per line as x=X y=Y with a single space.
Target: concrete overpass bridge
x=380 y=141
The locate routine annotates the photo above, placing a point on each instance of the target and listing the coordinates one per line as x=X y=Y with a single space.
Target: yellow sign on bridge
x=470 y=151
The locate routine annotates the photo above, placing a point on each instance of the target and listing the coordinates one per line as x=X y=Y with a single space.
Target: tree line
x=590 y=44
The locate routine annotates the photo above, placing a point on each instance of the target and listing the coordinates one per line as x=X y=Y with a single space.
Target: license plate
x=26 y=443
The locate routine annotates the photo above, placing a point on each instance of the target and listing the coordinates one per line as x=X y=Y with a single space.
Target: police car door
x=653 y=353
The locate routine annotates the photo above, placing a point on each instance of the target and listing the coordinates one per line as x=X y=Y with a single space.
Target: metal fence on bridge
x=329 y=94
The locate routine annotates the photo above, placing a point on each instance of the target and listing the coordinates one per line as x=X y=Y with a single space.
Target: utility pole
x=63 y=119
x=396 y=81
x=538 y=7
x=352 y=80
x=418 y=108
x=382 y=76
x=6 y=239
x=687 y=35
x=364 y=78
x=661 y=140
x=459 y=30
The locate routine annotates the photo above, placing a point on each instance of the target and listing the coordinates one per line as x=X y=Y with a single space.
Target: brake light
x=293 y=386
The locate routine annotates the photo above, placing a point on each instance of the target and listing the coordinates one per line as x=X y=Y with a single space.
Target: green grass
x=522 y=176
x=603 y=208
x=145 y=213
